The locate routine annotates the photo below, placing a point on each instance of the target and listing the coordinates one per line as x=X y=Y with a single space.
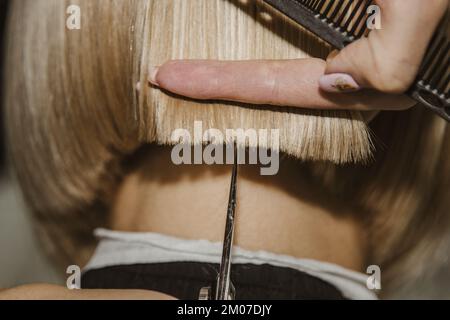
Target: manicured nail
x=338 y=82
x=152 y=74
x=138 y=86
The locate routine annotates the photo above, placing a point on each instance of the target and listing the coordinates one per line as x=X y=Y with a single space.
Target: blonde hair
x=73 y=115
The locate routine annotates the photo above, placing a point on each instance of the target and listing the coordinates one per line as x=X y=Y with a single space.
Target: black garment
x=184 y=280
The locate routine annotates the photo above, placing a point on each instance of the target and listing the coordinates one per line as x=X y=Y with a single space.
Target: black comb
x=341 y=22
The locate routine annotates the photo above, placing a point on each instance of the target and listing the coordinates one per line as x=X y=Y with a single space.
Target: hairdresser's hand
x=387 y=61
x=51 y=292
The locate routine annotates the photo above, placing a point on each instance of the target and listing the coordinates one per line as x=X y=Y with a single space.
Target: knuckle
x=273 y=74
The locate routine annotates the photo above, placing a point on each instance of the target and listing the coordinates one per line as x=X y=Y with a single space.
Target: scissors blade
x=225 y=289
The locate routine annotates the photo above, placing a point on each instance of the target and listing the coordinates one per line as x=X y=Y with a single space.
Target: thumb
x=388 y=59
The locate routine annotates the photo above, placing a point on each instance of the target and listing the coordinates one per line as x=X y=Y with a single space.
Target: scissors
x=224 y=288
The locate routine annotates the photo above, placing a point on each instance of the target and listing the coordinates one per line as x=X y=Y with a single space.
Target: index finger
x=293 y=83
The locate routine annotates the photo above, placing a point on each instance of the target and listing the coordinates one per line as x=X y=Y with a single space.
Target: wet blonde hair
x=73 y=115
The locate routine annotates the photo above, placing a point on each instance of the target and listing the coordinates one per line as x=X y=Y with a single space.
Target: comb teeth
x=435 y=70
x=345 y=16
x=432 y=87
x=341 y=22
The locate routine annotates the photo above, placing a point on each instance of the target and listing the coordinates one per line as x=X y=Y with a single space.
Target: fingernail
x=338 y=82
x=152 y=74
x=138 y=86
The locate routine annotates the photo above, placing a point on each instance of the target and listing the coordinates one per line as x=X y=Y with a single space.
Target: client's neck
x=274 y=213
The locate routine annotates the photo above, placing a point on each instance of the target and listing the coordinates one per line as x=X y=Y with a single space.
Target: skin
x=291 y=83
x=280 y=213
x=52 y=292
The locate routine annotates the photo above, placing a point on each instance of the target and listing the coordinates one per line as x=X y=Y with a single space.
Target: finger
x=276 y=82
x=389 y=58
